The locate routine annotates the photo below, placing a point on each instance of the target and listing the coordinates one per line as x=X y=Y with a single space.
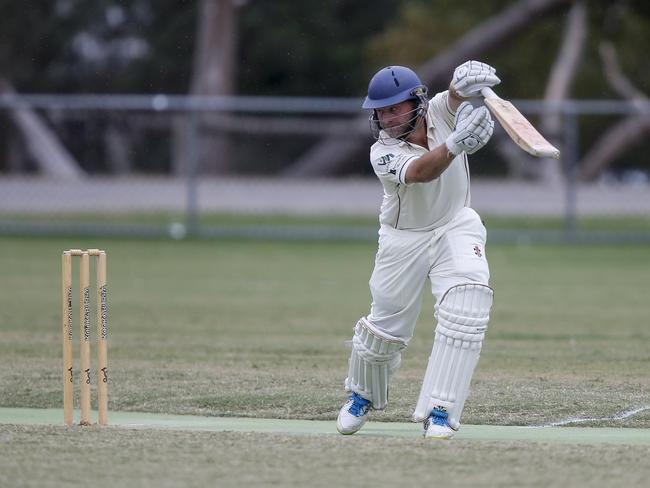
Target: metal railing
x=289 y=115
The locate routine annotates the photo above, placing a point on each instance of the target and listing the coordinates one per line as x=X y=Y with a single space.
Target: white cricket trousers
x=448 y=255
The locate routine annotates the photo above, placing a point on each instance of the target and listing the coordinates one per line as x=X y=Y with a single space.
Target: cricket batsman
x=427 y=230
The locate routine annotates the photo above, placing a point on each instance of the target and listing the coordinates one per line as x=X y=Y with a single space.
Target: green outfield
x=241 y=329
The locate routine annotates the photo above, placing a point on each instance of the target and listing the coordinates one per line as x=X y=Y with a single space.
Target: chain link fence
x=183 y=166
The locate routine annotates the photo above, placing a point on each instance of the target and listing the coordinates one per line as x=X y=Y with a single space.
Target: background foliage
x=307 y=48
x=291 y=48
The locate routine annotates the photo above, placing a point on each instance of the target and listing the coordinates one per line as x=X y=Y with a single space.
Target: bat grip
x=488 y=93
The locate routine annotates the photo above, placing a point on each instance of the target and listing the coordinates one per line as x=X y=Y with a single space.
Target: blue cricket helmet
x=391 y=85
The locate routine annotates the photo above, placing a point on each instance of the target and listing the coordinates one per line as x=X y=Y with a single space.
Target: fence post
x=191 y=177
x=570 y=157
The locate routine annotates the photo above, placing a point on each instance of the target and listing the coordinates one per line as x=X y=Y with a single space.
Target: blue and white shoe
x=353 y=414
x=436 y=425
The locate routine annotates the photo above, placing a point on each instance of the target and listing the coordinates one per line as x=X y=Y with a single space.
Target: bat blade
x=520 y=130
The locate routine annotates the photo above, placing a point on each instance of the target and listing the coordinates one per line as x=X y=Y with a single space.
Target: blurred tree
x=625 y=26
x=309 y=48
x=425 y=29
x=425 y=33
x=151 y=46
x=101 y=46
x=213 y=74
x=454 y=43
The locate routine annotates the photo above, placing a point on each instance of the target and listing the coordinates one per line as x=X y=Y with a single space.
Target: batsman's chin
x=395 y=132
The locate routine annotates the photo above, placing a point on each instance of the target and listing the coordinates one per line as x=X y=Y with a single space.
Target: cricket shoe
x=436 y=425
x=353 y=414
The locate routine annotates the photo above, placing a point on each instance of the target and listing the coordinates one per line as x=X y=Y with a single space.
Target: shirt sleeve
x=439 y=107
x=390 y=165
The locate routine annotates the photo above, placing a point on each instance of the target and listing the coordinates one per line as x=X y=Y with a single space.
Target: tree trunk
x=559 y=85
x=330 y=156
x=117 y=143
x=42 y=144
x=618 y=139
x=213 y=73
x=628 y=132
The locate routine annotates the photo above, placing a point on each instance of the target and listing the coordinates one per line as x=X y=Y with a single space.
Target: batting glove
x=471 y=76
x=473 y=129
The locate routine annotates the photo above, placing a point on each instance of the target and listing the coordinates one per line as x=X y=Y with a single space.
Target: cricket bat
x=518 y=128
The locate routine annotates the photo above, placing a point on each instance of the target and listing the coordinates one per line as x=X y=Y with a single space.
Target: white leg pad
x=375 y=358
x=463 y=315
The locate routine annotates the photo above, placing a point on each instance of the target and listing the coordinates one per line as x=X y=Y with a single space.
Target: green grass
x=92 y=457
x=611 y=223
x=243 y=328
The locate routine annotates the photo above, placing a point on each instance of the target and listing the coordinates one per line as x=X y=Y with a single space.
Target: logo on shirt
x=477 y=251
x=384 y=160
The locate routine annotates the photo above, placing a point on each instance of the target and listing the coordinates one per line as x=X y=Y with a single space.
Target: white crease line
x=620 y=416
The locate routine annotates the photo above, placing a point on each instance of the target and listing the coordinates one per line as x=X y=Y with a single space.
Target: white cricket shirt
x=421 y=206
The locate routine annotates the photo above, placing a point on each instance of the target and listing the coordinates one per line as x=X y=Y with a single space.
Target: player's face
x=395 y=119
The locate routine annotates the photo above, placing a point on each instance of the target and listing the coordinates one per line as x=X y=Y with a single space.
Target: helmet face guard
x=390 y=86
x=419 y=97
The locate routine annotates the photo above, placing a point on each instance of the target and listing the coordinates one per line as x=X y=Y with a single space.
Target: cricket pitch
x=136 y=420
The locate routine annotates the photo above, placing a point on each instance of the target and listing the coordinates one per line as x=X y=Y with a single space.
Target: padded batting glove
x=473 y=129
x=471 y=76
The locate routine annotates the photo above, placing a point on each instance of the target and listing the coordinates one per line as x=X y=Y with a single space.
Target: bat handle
x=488 y=93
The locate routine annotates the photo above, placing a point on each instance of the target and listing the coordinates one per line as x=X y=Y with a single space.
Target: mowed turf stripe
x=134 y=420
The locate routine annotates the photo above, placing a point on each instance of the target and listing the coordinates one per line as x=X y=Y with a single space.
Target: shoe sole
x=439 y=437
x=340 y=431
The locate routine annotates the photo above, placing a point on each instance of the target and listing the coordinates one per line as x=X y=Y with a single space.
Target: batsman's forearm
x=429 y=166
